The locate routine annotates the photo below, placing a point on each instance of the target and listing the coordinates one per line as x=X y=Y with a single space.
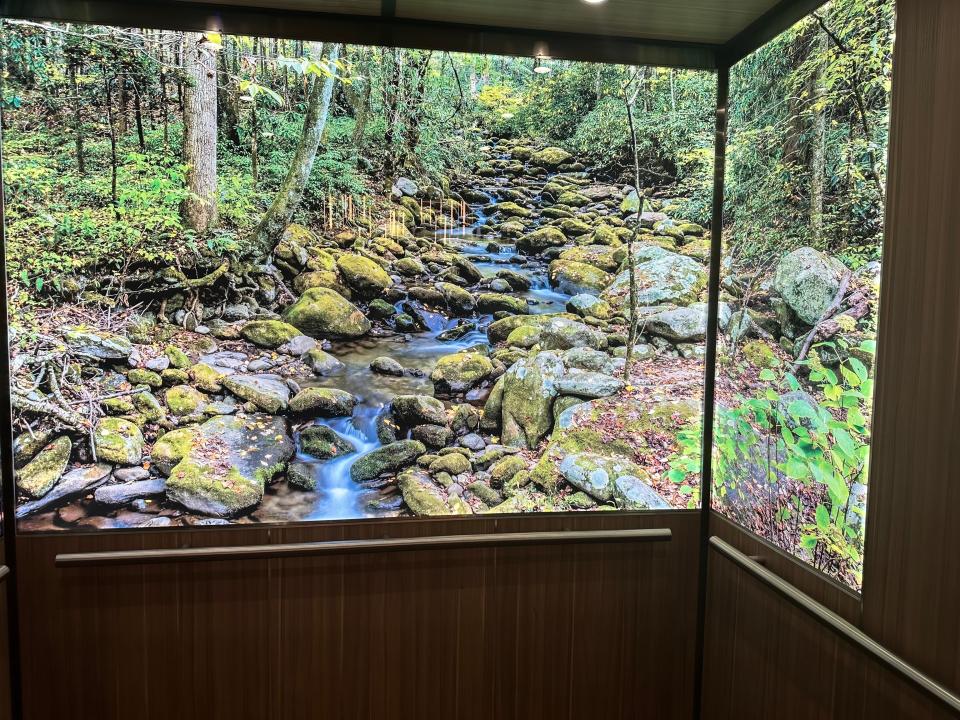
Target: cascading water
x=337 y=496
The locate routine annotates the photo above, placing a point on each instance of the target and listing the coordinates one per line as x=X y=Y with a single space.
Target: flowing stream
x=337 y=496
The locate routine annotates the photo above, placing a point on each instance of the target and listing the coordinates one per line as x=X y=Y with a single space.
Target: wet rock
x=208 y=377
x=536 y=242
x=460 y=372
x=432 y=436
x=406 y=187
x=410 y=410
x=321 y=362
x=525 y=336
x=321 y=312
x=323 y=442
x=73 y=483
x=157 y=364
x=328 y=402
x=495 y=302
x=124 y=493
x=486 y=494
x=362 y=275
x=516 y=281
x=268 y=333
x=267 y=391
x=386 y=366
x=131 y=474
x=118 y=441
x=457 y=299
x=389 y=458
x=410 y=267
x=529 y=389
x=228 y=464
x=297 y=346
x=97 y=345
x=38 y=476
x=808 y=280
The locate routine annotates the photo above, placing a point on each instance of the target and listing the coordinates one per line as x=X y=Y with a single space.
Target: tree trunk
x=411 y=126
x=113 y=141
x=818 y=151
x=288 y=197
x=138 y=117
x=77 y=120
x=199 y=209
x=227 y=103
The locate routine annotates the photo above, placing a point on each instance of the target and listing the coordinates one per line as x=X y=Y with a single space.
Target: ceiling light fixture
x=540 y=67
x=594 y=2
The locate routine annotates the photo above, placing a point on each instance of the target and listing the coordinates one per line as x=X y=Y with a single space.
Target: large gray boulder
x=665 y=278
x=808 y=280
x=230 y=460
x=97 y=345
x=267 y=391
x=529 y=390
x=389 y=458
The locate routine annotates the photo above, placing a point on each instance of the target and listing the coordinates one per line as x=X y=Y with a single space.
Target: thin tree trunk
x=631 y=239
x=113 y=142
x=138 y=116
x=77 y=120
x=199 y=209
x=288 y=197
x=254 y=133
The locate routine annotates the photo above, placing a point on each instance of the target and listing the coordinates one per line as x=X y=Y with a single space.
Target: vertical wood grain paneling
x=4 y=650
x=592 y=631
x=766 y=658
x=912 y=574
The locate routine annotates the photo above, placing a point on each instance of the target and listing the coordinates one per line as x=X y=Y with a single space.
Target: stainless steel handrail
x=342 y=547
x=829 y=618
x=4 y=571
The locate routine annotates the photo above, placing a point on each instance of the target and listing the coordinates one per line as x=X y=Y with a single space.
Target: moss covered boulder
x=667 y=277
x=97 y=344
x=500 y=330
x=601 y=257
x=808 y=280
x=323 y=442
x=410 y=410
x=550 y=157
x=268 y=333
x=499 y=302
x=457 y=299
x=529 y=390
x=534 y=243
x=37 y=477
x=142 y=376
x=362 y=275
x=389 y=458
x=460 y=372
x=327 y=402
x=172 y=447
x=118 y=441
x=208 y=377
x=572 y=278
x=421 y=494
x=229 y=462
x=560 y=333
x=184 y=400
x=324 y=313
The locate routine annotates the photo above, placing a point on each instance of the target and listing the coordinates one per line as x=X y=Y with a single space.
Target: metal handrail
x=343 y=547
x=833 y=621
x=4 y=571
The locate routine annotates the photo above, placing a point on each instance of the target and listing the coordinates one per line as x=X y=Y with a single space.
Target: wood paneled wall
x=592 y=631
x=764 y=657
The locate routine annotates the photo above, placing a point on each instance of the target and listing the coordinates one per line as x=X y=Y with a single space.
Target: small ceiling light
x=540 y=67
x=594 y=2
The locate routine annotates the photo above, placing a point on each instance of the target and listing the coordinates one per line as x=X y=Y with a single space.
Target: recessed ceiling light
x=542 y=69
x=594 y=2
